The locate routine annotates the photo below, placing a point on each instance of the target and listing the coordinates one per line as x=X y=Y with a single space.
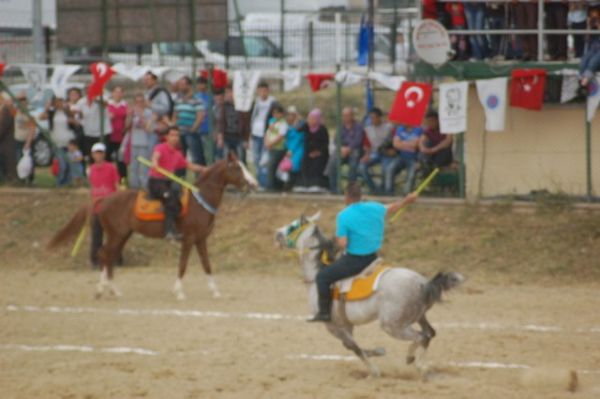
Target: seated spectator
x=229 y=131
x=577 y=17
x=435 y=147
x=351 y=151
x=294 y=143
x=406 y=142
x=590 y=62
x=379 y=149
x=75 y=159
x=456 y=10
x=143 y=140
x=275 y=144
x=24 y=132
x=58 y=116
x=316 y=152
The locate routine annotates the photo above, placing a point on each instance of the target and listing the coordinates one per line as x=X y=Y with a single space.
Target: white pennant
x=492 y=95
x=593 y=98
x=133 y=72
x=60 y=76
x=292 y=79
x=347 y=78
x=569 y=86
x=36 y=77
x=389 y=81
x=453 y=107
x=244 y=85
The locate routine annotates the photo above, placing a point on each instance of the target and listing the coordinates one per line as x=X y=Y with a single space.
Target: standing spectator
x=217 y=108
x=118 y=111
x=275 y=144
x=496 y=19
x=351 y=151
x=294 y=142
x=475 y=14
x=456 y=10
x=58 y=115
x=158 y=98
x=556 y=18
x=205 y=129
x=578 y=20
x=316 y=152
x=590 y=62
x=435 y=147
x=229 y=129
x=378 y=135
x=142 y=142
x=8 y=163
x=24 y=132
x=526 y=17
x=260 y=116
x=104 y=180
x=90 y=121
x=406 y=142
x=75 y=160
x=73 y=96
x=189 y=112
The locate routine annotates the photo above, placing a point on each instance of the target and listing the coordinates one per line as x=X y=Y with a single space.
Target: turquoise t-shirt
x=363 y=224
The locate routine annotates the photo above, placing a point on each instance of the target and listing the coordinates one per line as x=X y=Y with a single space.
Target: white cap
x=99 y=147
x=292 y=109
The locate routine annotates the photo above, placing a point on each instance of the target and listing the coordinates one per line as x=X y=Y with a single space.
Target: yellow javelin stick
x=80 y=238
x=420 y=189
x=168 y=174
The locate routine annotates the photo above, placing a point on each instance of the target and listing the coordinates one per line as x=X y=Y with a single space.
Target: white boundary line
x=79 y=348
x=485 y=326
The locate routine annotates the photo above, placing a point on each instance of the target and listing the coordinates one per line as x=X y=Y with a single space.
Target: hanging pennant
x=453 y=107
x=244 y=87
x=411 y=103
x=60 y=75
x=389 y=81
x=101 y=74
x=347 y=78
x=492 y=95
x=527 y=88
x=319 y=81
x=35 y=75
x=133 y=72
x=292 y=79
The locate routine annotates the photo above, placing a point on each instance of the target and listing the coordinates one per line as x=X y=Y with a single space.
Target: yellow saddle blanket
x=362 y=286
x=149 y=209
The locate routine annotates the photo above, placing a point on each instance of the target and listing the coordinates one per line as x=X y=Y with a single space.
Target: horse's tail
x=70 y=230
x=443 y=281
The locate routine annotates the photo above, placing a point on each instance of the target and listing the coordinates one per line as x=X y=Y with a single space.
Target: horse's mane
x=210 y=171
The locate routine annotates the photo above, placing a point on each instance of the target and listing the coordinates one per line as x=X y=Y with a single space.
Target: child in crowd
x=75 y=160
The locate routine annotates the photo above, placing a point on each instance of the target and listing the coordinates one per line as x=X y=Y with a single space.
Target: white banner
x=244 y=88
x=593 y=98
x=453 y=107
x=60 y=75
x=347 y=78
x=35 y=76
x=492 y=95
x=292 y=79
x=389 y=81
x=133 y=72
x=570 y=84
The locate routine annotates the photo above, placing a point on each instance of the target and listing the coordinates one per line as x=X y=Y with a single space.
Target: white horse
x=401 y=300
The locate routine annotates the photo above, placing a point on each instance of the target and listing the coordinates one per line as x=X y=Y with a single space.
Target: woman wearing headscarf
x=316 y=150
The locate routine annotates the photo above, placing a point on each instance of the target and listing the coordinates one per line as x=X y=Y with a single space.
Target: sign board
x=431 y=42
x=89 y=22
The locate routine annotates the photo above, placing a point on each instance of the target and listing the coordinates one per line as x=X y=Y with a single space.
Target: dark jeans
x=112 y=155
x=164 y=191
x=579 y=40
x=192 y=142
x=237 y=146
x=496 y=41
x=556 y=18
x=275 y=157
x=438 y=160
x=346 y=266
x=526 y=17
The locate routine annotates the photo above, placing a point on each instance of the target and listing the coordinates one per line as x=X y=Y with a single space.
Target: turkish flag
x=411 y=103
x=219 y=78
x=320 y=81
x=101 y=73
x=2 y=65
x=527 y=88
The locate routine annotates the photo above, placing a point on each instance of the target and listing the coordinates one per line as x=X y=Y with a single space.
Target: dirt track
x=233 y=354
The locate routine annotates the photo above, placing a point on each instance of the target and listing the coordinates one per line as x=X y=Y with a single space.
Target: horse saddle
x=149 y=209
x=363 y=285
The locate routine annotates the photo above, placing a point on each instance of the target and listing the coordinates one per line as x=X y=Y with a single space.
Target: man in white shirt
x=90 y=121
x=259 y=121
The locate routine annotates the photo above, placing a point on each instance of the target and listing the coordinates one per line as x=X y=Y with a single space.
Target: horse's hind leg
x=203 y=253
x=406 y=333
x=184 y=255
x=427 y=330
x=345 y=335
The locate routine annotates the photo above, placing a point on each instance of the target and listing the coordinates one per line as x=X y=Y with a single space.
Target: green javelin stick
x=168 y=174
x=80 y=238
x=421 y=187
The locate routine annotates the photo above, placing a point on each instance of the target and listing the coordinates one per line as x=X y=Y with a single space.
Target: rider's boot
x=324 y=314
x=171 y=228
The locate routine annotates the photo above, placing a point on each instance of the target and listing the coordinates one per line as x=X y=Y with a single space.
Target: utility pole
x=39 y=50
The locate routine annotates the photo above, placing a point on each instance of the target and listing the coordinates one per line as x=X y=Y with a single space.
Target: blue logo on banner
x=492 y=101
x=593 y=88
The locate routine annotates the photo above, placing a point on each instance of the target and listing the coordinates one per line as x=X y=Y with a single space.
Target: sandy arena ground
x=238 y=353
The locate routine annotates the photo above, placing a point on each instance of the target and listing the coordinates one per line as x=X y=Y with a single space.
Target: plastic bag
x=25 y=165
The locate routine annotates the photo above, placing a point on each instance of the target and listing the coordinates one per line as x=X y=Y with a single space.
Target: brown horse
x=116 y=215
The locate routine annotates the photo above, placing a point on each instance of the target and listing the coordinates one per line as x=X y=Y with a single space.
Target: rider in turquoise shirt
x=360 y=231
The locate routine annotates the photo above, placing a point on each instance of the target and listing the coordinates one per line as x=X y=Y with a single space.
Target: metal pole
x=461 y=168
x=241 y=31
x=281 y=34
x=588 y=157
x=311 y=49
x=104 y=57
x=38 y=37
x=371 y=27
x=394 y=37
x=338 y=103
x=209 y=152
x=192 y=9
x=540 y=34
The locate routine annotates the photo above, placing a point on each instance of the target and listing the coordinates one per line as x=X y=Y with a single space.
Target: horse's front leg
x=345 y=335
x=203 y=253
x=184 y=255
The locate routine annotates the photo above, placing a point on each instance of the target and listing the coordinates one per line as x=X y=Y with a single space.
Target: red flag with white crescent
x=319 y=81
x=101 y=73
x=527 y=88
x=410 y=104
x=219 y=78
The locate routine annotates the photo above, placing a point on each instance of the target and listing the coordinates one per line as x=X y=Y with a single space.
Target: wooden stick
x=418 y=191
x=168 y=174
x=80 y=238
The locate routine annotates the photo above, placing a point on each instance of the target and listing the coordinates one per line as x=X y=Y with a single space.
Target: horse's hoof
x=410 y=359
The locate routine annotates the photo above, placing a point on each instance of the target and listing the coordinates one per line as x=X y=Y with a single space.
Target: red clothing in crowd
x=104 y=179
x=457 y=14
x=430 y=9
x=118 y=117
x=170 y=159
x=435 y=136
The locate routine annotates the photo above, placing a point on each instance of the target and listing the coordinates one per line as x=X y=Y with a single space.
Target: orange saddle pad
x=148 y=209
x=361 y=287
